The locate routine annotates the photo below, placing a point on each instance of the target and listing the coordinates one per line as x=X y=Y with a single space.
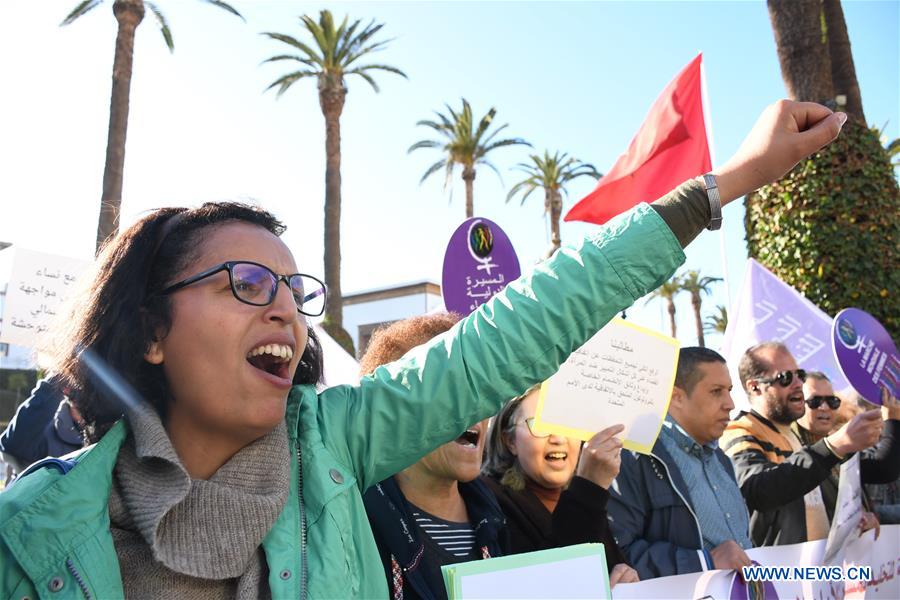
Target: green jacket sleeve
x=519 y=338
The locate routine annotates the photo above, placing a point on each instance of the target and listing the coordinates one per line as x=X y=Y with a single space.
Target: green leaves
x=331 y=52
x=79 y=10
x=831 y=227
x=465 y=143
x=551 y=173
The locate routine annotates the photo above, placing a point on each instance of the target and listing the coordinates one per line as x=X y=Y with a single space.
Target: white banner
x=37 y=287
x=868 y=568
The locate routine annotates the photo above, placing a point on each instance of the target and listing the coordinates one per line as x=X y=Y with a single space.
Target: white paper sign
x=37 y=287
x=848 y=509
x=624 y=374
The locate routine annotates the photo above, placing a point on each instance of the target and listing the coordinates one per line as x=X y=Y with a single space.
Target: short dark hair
x=752 y=366
x=120 y=310
x=393 y=341
x=817 y=375
x=688 y=375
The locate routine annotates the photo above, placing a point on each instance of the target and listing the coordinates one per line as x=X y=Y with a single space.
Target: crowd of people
x=216 y=469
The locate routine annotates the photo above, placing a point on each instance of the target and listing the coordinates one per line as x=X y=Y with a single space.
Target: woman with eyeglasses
x=551 y=498
x=224 y=473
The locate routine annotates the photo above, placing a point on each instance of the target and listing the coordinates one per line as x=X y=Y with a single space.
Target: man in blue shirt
x=680 y=510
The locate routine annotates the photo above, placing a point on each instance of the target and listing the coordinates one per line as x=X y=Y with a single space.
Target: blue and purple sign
x=479 y=262
x=866 y=354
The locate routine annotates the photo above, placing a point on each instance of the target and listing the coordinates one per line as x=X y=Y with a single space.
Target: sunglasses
x=784 y=378
x=815 y=402
x=529 y=422
x=256 y=284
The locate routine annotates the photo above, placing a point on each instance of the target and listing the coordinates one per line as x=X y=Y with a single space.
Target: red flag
x=669 y=148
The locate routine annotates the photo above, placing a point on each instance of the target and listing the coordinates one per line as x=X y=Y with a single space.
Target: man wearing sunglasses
x=779 y=475
x=878 y=464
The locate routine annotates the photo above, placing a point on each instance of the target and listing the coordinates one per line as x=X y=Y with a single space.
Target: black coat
x=398 y=537
x=579 y=518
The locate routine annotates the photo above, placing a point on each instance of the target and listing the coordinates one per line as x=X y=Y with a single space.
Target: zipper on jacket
x=686 y=503
x=78 y=579
x=303 y=564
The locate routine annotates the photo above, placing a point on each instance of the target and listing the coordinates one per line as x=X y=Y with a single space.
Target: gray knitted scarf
x=178 y=537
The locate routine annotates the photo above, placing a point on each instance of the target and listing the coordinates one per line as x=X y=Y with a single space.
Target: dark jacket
x=652 y=520
x=773 y=478
x=41 y=427
x=580 y=517
x=879 y=464
x=411 y=561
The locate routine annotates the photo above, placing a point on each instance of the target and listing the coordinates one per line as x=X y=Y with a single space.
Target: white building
x=12 y=356
x=367 y=310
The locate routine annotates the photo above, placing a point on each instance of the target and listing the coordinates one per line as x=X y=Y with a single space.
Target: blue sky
x=578 y=77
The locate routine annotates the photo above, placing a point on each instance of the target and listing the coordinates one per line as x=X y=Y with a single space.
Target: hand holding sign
x=624 y=374
x=601 y=457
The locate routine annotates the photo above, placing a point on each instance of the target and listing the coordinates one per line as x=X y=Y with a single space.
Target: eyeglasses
x=529 y=422
x=784 y=378
x=815 y=402
x=256 y=284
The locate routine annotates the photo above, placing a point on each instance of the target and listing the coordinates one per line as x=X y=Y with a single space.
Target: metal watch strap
x=715 y=202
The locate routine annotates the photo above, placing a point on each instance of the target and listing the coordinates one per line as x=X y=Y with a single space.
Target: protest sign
x=876 y=575
x=479 y=262
x=848 y=509
x=768 y=309
x=569 y=572
x=866 y=354
x=624 y=374
x=38 y=285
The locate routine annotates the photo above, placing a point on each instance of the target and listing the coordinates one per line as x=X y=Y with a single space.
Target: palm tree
x=668 y=291
x=129 y=14
x=334 y=53
x=696 y=286
x=551 y=173
x=465 y=145
x=718 y=321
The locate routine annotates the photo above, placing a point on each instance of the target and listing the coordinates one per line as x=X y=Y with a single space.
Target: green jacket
x=54 y=528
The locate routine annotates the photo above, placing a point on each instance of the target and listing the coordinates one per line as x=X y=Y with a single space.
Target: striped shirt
x=454 y=538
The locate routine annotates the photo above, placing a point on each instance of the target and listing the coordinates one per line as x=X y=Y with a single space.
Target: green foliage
x=332 y=53
x=550 y=173
x=716 y=322
x=831 y=227
x=464 y=143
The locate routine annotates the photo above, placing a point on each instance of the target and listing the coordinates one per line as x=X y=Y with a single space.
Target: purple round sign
x=478 y=263
x=865 y=353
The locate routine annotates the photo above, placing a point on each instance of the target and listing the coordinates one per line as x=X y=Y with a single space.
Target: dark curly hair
x=119 y=310
x=393 y=341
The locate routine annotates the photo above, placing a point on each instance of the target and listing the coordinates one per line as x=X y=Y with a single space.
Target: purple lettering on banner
x=479 y=262
x=866 y=354
x=768 y=309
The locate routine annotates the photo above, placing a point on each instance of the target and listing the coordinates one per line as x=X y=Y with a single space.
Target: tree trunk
x=671 y=307
x=332 y=93
x=843 y=73
x=695 y=302
x=468 y=176
x=802 y=45
x=554 y=203
x=129 y=14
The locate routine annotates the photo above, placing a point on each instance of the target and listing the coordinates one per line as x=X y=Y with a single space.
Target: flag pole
x=707 y=117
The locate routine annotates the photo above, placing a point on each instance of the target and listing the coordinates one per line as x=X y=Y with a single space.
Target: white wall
x=391 y=309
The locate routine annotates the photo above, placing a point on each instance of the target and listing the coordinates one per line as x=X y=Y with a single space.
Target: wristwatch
x=715 y=202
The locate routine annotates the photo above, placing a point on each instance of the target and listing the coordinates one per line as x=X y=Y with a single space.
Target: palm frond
x=163 y=25
x=291 y=41
x=424 y=144
x=286 y=81
x=387 y=68
x=365 y=76
x=432 y=169
x=299 y=59
x=506 y=142
x=228 y=7
x=81 y=9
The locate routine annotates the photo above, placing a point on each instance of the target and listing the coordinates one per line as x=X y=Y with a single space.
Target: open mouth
x=556 y=457
x=469 y=438
x=274 y=359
